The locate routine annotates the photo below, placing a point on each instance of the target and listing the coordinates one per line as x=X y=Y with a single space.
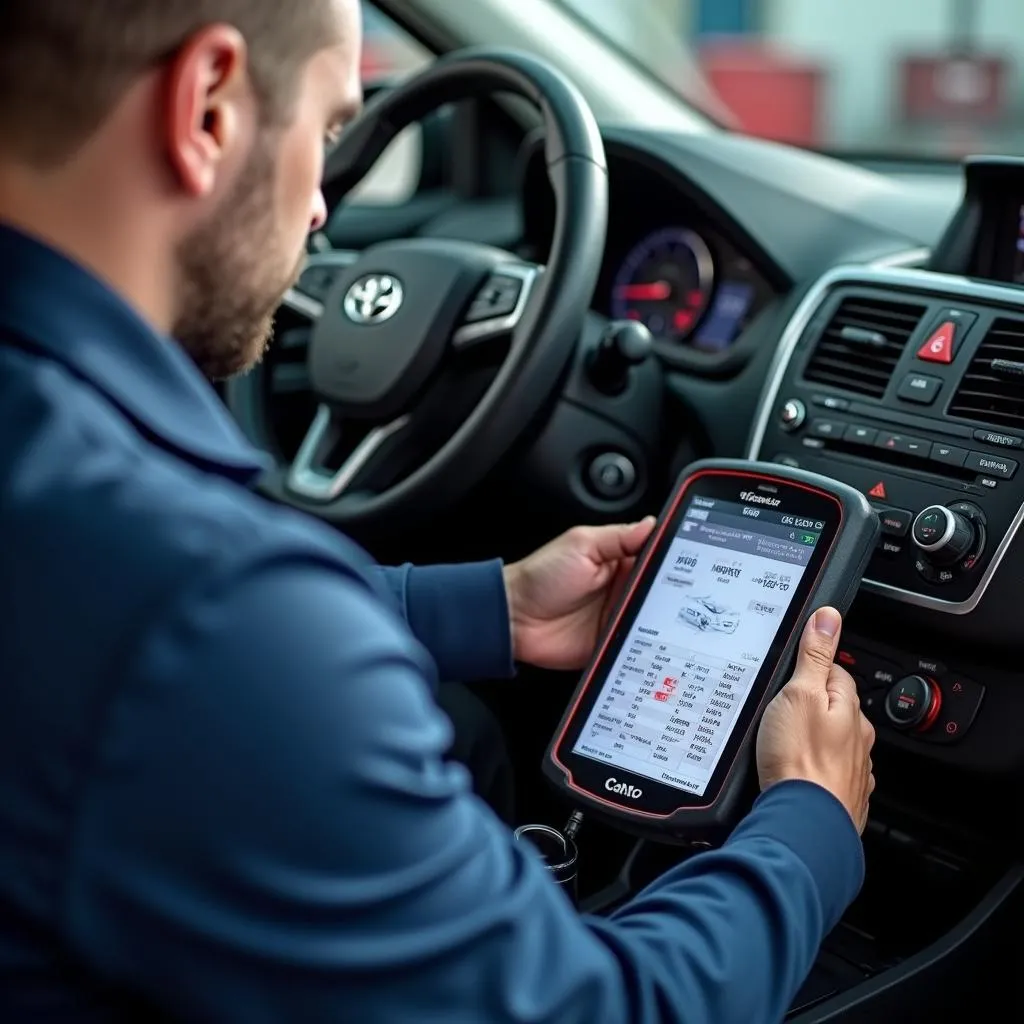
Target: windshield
x=899 y=78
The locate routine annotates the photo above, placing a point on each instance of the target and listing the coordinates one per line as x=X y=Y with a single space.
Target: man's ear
x=204 y=106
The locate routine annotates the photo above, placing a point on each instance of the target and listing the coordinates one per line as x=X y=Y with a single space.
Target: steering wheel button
x=316 y=282
x=498 y=297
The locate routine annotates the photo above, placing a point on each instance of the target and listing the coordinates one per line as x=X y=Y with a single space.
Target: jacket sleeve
x=460 y=615
x=270 y=832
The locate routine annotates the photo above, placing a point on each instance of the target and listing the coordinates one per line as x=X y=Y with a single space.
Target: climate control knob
x=943 y=535
x=913 y=703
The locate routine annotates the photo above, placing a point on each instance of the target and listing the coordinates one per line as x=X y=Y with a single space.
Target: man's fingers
x=611 y=543
x=818 y=649
x=841 y=688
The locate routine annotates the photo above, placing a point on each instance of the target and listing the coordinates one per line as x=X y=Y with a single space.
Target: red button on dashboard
x=939 y=347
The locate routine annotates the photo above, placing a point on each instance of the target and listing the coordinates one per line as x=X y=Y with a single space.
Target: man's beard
x=231 y=284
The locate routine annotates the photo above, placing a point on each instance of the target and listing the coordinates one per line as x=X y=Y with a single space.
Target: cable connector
x=572 y=826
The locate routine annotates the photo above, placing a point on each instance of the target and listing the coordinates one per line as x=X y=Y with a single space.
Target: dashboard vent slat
x=992 y=389
x=860 y=346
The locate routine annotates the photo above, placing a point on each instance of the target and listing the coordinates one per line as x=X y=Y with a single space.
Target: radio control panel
x=909 y=385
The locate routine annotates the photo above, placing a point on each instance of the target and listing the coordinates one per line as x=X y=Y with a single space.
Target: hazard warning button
x=945 y=336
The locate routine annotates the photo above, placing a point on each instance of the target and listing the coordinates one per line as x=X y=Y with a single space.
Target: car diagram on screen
x=705 y=614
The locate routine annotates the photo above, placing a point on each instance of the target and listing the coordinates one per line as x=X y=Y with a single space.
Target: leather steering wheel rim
x=545 y=336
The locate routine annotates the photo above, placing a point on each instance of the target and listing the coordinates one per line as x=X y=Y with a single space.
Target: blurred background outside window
x=879 y=78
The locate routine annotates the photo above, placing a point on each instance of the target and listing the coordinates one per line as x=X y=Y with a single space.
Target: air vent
x=992 y=389
x=862 y=344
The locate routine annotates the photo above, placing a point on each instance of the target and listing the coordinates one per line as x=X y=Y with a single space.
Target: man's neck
x=89 y=226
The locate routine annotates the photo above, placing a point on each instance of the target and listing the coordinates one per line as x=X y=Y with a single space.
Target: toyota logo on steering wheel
x=373 y=299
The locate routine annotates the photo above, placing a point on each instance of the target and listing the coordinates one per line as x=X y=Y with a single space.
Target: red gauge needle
x=656 y=291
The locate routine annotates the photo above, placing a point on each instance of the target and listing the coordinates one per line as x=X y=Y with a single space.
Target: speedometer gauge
x=666 y=283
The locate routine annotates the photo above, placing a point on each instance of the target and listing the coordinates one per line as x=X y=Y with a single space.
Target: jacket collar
x=57 y=307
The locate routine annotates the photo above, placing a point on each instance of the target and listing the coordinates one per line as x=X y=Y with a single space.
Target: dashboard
x=824 y=317
x=668 y=263
x=795 y=324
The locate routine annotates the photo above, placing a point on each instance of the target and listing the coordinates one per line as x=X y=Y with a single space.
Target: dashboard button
x=895 y=521
x=881 y=673
x=793 y=414
x=612 y=476
x=961 y=702
x=991 y=465
x=904 y=444
x=872 y=703
x=919 y=388
x=856 y=434
x=787 y=460
x=890 y=548
x=931 y=526
x=827 y=428
x=998 y=440
x=831 y=402
x=939 y=346
x=931 y=667
x=949 y=455
x=944 y=336
x=913 y=703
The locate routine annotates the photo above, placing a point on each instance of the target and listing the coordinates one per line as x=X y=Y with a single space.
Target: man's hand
x=560 y=596
x=814 y=728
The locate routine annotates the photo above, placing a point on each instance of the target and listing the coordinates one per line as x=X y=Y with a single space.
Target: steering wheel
x=400 y=334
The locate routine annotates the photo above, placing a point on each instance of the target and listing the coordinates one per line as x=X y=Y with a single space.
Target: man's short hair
x=64 y=64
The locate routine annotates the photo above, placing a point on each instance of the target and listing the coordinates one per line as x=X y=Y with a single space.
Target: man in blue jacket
x=223 y=789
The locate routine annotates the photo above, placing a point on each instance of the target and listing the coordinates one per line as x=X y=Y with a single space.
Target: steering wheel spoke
x=302 y=307
x=498 y=306
x=312 y=474
x=321 y=272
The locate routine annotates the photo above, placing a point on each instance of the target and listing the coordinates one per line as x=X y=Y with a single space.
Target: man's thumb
x=818 y=646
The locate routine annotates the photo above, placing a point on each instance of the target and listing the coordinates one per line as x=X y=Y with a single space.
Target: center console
x=909 y=385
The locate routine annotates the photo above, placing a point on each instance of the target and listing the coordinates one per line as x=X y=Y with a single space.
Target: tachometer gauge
x=666 y=283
